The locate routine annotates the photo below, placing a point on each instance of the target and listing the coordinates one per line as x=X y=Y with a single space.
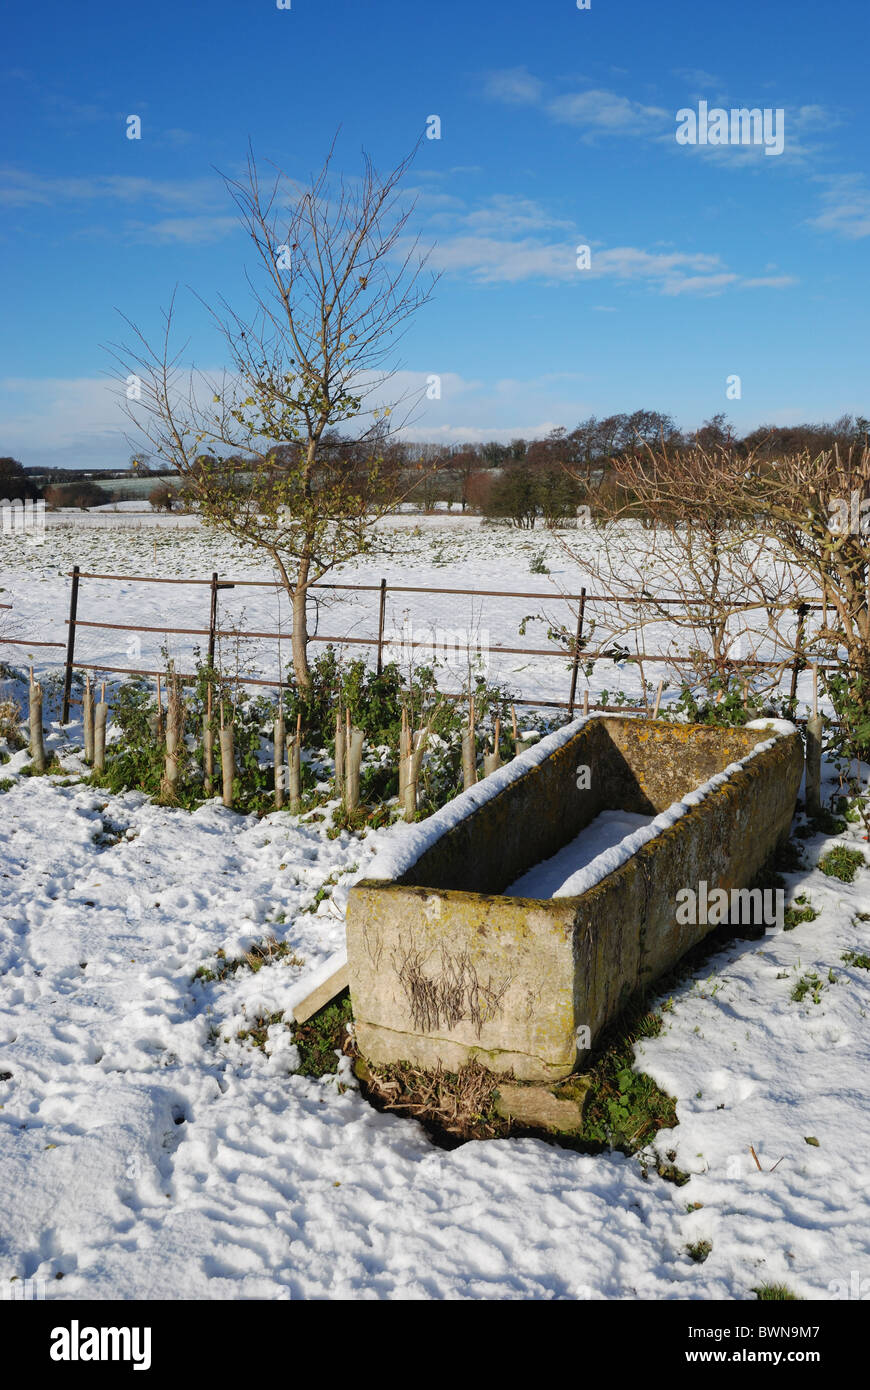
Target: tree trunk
x=300 y=635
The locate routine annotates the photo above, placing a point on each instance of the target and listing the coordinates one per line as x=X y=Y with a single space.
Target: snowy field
x=145 y=1151
x=438 y=552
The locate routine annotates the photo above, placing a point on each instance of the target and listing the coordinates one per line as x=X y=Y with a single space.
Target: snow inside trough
x=559 y=877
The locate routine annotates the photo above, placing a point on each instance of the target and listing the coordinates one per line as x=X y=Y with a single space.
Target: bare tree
x=689 y=567
x=258 y=448
x=818 y=508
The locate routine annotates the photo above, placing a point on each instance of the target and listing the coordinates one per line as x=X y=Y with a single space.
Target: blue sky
x=557 y=129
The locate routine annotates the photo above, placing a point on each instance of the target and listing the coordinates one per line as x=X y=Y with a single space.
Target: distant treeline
x=544 y=475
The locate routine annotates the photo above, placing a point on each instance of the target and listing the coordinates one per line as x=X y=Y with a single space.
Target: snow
x=777 y=726
x=418 y=551
x=147 y=1152
x=410 y=842
x=563 y=874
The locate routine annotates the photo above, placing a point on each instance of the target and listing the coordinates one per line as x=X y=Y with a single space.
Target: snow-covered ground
x=146 y=1151
x=432 y=552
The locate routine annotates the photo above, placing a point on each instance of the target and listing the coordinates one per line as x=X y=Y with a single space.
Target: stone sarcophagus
x=515 y=924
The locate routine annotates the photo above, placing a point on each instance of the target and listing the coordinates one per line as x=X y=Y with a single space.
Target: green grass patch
x=699 y=1251
x=52 y=768
x=781 y=1293
x=801 y=910
x=810 y=984
x=262 y=953
x=625 y=1108
x=259 y=1030
x=859 y=959
x=842 y=863
x=322 y=1036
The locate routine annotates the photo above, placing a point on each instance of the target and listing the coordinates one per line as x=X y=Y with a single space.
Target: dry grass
x=10 y=723
x=458 y=1105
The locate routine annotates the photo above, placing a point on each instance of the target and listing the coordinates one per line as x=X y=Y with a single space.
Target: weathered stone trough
x=445 y=965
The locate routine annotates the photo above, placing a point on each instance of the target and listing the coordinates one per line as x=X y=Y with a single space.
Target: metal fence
x=575 y=652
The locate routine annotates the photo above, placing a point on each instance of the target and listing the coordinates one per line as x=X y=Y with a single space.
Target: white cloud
x=606 y=113
x=846 y=207
x=514 y=86
x=21 y=188
x=191 y=230
x=78 y=422
x=698 y=77
x=500 y=259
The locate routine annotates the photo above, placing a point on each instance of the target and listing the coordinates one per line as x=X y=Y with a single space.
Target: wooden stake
x=469 y=758
x=404 y=755
x=228 y=760
x=208 y=747
x=88 y=722
x=174 y=737
x=586 y=701
x=296 y=770
x=37 y=744
x=159 y=711
x=100 y=715
x=658 y=699
x=815 y=689
x=280 y=775
x=492 y=761
x=514 y=722
x=412 y=774
x=354 y=761
x=339 y=754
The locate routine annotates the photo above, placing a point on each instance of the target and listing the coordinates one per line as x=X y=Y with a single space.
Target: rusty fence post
x=381 y=615
x=70 y=645
x=577 y=641
x=799 y=661
x=212 y=617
